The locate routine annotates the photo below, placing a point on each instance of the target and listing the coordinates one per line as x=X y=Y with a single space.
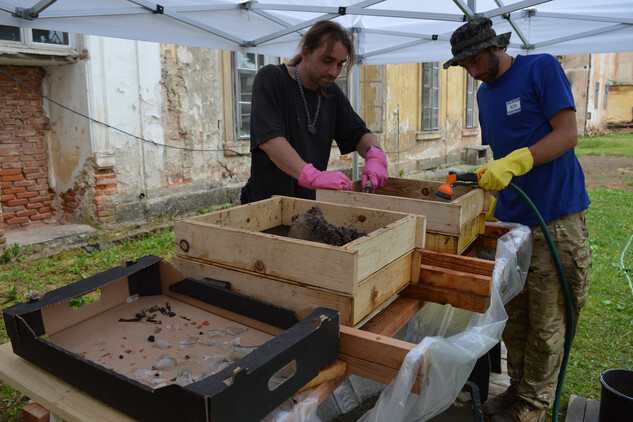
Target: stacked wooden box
x=452 y=225
x=238 y=245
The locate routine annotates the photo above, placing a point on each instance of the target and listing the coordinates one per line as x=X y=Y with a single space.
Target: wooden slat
x=455 y=280
x=458 y=262
x=459 y=299
x=394 y=316
x=576 y=409
x=372 y=347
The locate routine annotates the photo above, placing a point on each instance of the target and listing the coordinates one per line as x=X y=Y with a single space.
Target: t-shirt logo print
x=513 y=106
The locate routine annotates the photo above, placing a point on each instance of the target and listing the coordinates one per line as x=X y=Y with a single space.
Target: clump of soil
x=311 y=225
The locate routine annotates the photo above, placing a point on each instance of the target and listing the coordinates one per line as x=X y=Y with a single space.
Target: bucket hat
x=473 y=37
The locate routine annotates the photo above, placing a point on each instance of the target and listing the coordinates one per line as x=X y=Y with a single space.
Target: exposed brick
x=36 y=176
x=8 y=215
x=5 y=198
x=14 y=178
x=44 y=210
x=27 y=195
x=25 y=133
x=104 y=182
x=10 y=172
x=6 y=185
x=17 y=220
x=11 y=165
x=17 y=202
x=13 y=190
x=41 y=216
x=34 y=206
x=27 y=213
x=110 y=191
x=101 y=199
x=24 y=183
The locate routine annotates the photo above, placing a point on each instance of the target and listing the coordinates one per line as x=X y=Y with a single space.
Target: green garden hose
x=569 y=332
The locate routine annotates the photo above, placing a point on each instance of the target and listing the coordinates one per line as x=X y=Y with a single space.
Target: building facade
x=99 y=130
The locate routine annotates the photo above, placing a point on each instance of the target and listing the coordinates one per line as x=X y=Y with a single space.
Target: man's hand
x=497 y=174
x=375 y=169
x=312 y=178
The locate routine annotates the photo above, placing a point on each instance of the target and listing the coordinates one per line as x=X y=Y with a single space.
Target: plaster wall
x=69 y=140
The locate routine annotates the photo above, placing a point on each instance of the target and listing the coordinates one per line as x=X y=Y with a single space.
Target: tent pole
x=354 y=98
x=33 y=12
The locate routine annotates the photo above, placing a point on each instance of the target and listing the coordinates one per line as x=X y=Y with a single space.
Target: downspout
x=589 y=72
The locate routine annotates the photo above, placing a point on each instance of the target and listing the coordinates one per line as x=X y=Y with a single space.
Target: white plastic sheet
x=450 y=341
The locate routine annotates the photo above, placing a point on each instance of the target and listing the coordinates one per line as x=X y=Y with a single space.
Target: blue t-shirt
x=515 y=110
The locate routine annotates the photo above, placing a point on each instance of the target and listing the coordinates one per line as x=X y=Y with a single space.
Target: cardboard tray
x=240 y=238
x=41 y=332
x=451 y=225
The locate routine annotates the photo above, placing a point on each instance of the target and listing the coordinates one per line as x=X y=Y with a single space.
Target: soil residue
x=311 y=225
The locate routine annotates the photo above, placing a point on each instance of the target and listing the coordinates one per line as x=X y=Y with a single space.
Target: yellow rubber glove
x=490 y=215
x=497 y=174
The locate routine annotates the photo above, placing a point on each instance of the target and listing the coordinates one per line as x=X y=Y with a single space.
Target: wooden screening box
x=237 y=238
x=355 y=279
x=451 y=225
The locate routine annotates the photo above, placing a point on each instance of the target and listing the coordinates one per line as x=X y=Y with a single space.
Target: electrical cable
x=569 y=310
x=626 y=272
x=149 y=141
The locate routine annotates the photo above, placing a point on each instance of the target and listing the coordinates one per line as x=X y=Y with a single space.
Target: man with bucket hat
x=527 y=117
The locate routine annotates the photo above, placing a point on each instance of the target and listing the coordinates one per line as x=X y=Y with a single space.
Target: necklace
x=311 y=123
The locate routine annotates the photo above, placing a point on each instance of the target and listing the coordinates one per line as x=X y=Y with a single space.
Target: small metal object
x=368 y=186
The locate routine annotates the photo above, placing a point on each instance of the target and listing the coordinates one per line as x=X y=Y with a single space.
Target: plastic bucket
x=616 y=397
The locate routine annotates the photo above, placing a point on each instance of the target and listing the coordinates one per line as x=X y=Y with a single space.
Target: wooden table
x=56 y=395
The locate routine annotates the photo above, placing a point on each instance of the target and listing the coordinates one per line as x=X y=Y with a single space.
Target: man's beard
x=492 y=69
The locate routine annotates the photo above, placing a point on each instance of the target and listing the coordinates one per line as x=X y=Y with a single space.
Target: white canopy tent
x=388 y=31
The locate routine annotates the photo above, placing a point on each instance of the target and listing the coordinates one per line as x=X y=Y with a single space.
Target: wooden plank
x=459 y=299
x=445 y=219
x=292 y=259
x=456 y=244
x=386 y=245
x=458 y=262
x=288 y=295
x=455 y=280
x=33 y=412
x=372 y=347
x=332 y=372
x=394 y=316
x=576 y=409
x=256 y=216
x=381 y=286
x=376 y=371
x=592 y=410
x=56 y=395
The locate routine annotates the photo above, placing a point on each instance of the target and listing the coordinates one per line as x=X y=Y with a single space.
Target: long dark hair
x=328 y=32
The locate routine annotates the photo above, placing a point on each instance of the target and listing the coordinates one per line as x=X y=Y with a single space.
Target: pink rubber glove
x=375 y=169
x=312 y=178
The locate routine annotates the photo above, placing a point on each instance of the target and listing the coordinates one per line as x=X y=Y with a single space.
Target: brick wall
x=25 y=193
x=105 y=191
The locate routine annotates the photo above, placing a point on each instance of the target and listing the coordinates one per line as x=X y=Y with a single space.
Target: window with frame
x=430 y=96
x=471 y=116
x=43 y=39
x=371 y=97
x=246 y=66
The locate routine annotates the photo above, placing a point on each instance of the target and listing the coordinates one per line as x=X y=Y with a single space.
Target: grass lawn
x=614 y=145
x=604 y=339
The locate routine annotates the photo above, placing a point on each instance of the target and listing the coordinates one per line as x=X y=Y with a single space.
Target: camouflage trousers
x=535 y=332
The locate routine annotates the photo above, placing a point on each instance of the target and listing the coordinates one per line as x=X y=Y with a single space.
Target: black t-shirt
x=278 y=110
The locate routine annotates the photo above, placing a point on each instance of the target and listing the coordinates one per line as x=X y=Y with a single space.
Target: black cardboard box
x=81 y=345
